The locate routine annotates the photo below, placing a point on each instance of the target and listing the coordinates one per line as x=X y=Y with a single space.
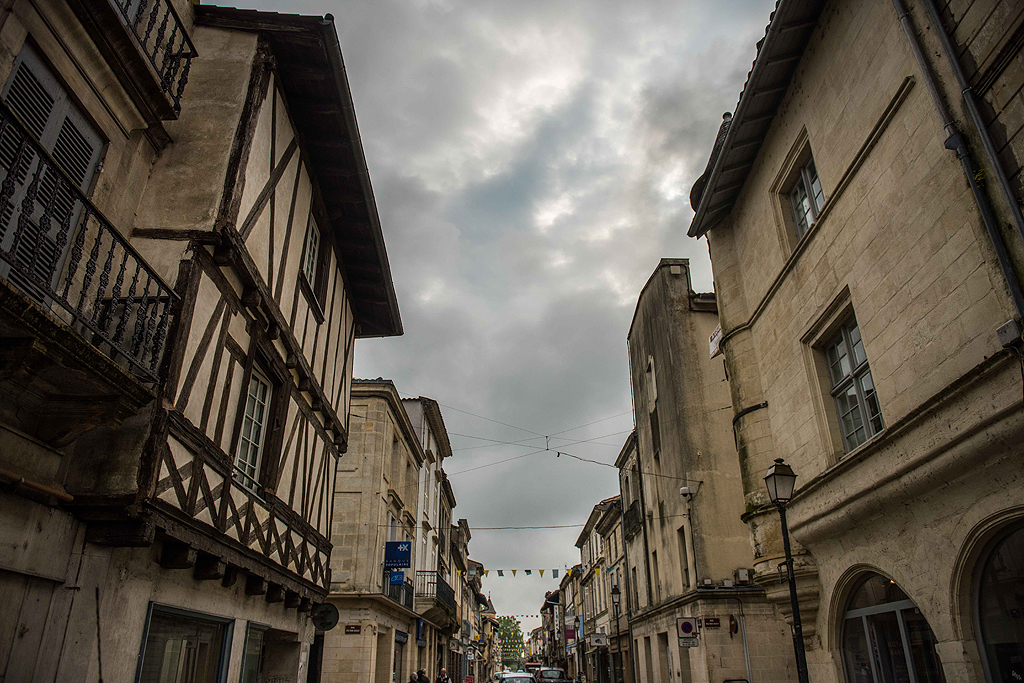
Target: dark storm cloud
x=532 y=162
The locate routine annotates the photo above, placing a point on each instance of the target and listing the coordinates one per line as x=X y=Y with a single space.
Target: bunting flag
x=472 y=572
x=597 y=571
x=513 y=572
x=528 y=572
x=554 y=573
x=541 y=572
x=486 y=572
x=501 y=572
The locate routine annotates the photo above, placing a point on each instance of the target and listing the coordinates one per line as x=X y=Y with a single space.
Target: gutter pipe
x=970 y=98
x=956 y=143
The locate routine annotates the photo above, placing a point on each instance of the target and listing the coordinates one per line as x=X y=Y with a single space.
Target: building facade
x=687 y=552
x=596 y=594
x=609 y=526
x=380 y=637
x=862 y=209
x=184 y=273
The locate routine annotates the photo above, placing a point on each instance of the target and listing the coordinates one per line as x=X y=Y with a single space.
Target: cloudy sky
x=532 y=161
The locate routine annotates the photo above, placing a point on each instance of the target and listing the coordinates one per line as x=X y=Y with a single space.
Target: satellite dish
x=325 y=616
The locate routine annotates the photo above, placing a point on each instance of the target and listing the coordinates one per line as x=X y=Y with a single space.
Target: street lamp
x=781 y=480
x=616 y=601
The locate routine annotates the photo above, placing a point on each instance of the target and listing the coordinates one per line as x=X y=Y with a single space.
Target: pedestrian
x=443 y=677
x=421 y=676
x=413 y=678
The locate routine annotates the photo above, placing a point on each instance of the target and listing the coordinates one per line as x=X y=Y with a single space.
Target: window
x=183 y=647
x=860 y=416
x=42 y=103
x=253 y=436
x=999 y=608
x=655 y=432
x=886 y=638
x=252 y=657
x=311 y=257
x=684 y=560
x=806 y=198
x=657 y=576
x=313 y=276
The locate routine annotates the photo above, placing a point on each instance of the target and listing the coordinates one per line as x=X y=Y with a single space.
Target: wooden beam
x=230 y=576
x=275 y=593
x=131 y=533
x=305 y=605
x=177 y=555
x=224 y=255
x=209 y=567
x=292 y=600
x=255 y=585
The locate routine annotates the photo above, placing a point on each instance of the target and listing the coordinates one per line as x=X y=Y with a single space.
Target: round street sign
x=686 y=627
x=325 y=616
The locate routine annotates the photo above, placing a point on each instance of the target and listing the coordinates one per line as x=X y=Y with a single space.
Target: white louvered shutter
x=43 y=105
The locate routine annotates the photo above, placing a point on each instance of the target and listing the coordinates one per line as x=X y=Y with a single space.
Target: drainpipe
x=970 y=98
x=743 y=631
x=955 y=142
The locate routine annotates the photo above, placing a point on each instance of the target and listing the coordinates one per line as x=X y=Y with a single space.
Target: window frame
x=792 y=174
x=806 y=183
x=853 y=378
x=228 y=635
x=315 y=291
x=260 y=358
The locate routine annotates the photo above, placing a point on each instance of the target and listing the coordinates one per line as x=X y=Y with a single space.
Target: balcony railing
x=59 y=249
x=161 y=36
x=631 y=519
x=401 y=593
x=433 y=585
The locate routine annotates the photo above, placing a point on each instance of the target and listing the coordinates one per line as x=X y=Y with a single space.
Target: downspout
x=743 y=632
x=970 y=98
x=955 y=142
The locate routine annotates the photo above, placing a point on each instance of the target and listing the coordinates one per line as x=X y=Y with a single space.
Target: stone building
x=596 y=594
x=864 y=278
x=380 y=637
x=190 y=247
x=434 y=595
x=687 y=551
x=609 y=526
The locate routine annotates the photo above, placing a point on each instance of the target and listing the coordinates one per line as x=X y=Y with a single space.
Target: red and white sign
x=715 y=341
x=686 y=627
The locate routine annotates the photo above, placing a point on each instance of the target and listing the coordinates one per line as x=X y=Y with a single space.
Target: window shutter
x=39 y=100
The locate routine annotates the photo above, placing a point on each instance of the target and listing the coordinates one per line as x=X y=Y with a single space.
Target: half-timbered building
x=189 y=248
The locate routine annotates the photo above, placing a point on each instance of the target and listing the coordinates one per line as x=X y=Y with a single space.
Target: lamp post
x=781 y=480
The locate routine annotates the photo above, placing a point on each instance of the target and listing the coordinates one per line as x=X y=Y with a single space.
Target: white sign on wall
x=715 y=341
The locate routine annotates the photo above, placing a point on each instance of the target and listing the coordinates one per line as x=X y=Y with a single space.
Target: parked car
x=552 y=675
x=533 y=667
x=514 y=677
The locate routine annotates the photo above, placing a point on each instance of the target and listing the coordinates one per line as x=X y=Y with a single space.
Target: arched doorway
x=1000 y=608
x=886 y=639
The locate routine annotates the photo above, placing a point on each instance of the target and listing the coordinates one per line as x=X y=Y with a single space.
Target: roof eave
x=781 y=22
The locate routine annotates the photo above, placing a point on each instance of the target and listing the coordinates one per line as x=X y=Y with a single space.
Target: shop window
x=885 y=636
x=252 y=657
x=1000 y=609
x=184 y=647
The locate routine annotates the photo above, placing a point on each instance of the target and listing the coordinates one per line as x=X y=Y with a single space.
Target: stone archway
x=884 y=637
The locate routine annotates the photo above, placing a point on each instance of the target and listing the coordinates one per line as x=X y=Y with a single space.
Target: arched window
x=886 y=639
x=1001 y=609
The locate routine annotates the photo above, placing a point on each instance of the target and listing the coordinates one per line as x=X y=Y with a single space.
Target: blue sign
x=397 y=578
x=397 y=554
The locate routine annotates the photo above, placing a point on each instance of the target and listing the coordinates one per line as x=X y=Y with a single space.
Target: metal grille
x=162 y=37
x=62 y=251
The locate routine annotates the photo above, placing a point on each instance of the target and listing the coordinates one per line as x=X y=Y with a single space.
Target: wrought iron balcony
x=161 y=36
x=433 y=585
x=402 y=593
x=58 y=249
x=631 y=520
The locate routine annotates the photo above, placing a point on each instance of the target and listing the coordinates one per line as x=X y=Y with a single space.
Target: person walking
x=443 y=677
x=421 y=676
